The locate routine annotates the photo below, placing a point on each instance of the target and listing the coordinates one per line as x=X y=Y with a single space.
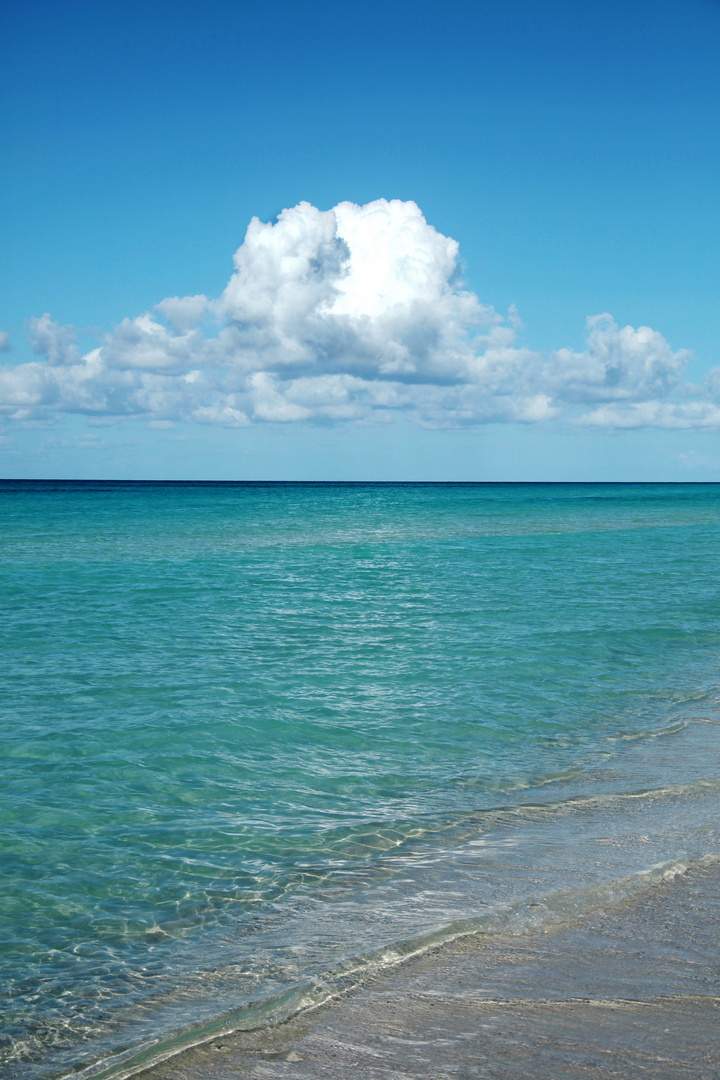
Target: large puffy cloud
x=355 y=314
x=369 y=291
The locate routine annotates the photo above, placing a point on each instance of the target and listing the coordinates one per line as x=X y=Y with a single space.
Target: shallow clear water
x=251 y=733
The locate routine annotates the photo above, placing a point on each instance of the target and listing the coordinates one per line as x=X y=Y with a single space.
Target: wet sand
x=630 y=991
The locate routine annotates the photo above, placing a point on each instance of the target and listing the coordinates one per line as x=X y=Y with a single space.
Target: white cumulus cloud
x=661 y=414
x=619 y=364
x=352 y=315
x=56 y=343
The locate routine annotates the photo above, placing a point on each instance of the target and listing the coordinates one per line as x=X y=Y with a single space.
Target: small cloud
x=53 y=341
x=4 y=341
x=694 y=461
x=620 y=364
x=513 y=318
x=712 y=383
x=224 y=415
x=183 y=312
x=658 y=414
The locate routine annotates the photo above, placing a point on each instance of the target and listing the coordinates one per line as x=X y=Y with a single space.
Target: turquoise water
x=252 y=734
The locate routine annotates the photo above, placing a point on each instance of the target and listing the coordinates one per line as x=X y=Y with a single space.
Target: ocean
x=260 y=740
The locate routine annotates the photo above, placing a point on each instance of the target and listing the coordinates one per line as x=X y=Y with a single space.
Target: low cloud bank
x=350 y=315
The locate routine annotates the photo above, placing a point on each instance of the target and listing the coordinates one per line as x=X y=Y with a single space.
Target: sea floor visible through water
x=616 y=976
x=629 y=992
x=265 y=748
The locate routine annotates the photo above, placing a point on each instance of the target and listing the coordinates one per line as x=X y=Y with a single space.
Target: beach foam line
x=599 y=1002
x=558 y=909
x=499 y=814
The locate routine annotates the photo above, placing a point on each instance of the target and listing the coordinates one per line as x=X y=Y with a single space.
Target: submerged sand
x=630 y=991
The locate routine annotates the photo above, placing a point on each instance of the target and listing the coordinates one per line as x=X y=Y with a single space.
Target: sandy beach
x=631 y=991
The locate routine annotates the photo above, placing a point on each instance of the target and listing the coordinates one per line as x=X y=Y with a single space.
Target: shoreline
x=631 y=990
x=623 y=828
x=578 y=836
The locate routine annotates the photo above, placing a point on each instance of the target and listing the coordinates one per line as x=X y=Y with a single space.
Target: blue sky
x=571 y=151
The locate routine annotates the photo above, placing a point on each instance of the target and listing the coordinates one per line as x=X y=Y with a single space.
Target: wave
x=536 y=915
